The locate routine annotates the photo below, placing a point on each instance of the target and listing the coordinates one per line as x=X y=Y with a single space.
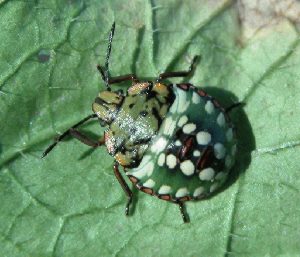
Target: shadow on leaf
x=245 y=137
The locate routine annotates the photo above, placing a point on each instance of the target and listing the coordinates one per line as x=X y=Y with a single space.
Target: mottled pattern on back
x=137 y=121
x=193 y=151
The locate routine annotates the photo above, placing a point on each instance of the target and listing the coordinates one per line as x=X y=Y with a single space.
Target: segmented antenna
x=105 y=73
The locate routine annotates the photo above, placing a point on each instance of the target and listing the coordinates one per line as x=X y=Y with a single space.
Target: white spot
x=146 y=167
x=203 y=138
x=183 y=103
x=196 y=153
x=209 y=107
x=164 y=189
x=149 y=183
x=196 y=98
x=159 y=144
x=169 y=126
x=233 y=150
x=219 y=150
x=189 y=128
x=213 y=187
x=171 y=161
x=187 y=167
x=168 y=123
x=174 y=106
x=161 y=159
x=149 y=168
x=183 y=119
x=198 y=191
x=181 y=192
x=228 y=161
x=221 y=119
x=207 y=174
x=229 y=134
x=221 y=175
x=178 y=143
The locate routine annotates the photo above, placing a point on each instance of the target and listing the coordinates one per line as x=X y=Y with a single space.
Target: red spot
x=147 y=190
x=133 y=179
x=185 y=198
x=165 y=197
x=201 y=92
x=187 y=147
x=206 y=158
x=184 y=86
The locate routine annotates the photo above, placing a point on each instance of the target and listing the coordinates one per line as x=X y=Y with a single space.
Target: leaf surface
x=70 y=204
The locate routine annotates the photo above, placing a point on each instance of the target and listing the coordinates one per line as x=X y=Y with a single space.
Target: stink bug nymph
x=174 y=141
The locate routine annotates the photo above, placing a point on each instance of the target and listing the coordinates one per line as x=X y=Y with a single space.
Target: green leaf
x=70 y=203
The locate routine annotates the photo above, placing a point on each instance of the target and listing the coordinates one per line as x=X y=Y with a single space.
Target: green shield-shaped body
x=193 y=151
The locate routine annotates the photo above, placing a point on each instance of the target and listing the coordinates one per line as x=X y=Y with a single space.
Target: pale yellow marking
x=187 y=167
x=203 y=138
x=171 y=161
x=161 y=159
x=198 y=191
x=181 y=192
x=209 y=107
x=149 y=183
x=189 y=128
x=221 y=119
x=207 y=174
x=219 y=150
x=164 y=189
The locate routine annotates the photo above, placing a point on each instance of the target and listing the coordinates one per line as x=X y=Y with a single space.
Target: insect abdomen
x=193 y=151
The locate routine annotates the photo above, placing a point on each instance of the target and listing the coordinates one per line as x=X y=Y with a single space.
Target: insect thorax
x=137 y=121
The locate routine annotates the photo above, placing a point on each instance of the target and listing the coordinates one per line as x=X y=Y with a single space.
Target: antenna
x=105 y=72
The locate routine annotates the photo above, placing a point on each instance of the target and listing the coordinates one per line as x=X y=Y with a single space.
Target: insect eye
x=120 y=92
x=102 y=123
x=143 y=113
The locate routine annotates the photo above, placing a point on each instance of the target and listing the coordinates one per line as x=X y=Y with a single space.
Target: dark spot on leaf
x=44 y=56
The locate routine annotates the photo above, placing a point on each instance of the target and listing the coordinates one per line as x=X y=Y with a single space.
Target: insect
x=174 y=141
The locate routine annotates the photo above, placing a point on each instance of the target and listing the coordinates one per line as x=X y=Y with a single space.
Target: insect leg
x=68 y=132
x=85 y=139
x=233 y=106
x=183 y=213
x=117 y=79
x=124 y=186
x=105 y=71
x=173 y=74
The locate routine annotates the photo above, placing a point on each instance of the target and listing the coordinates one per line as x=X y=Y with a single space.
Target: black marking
x=150 y=94
x=131 y=105
x=178 y=133
x=184 y=87
x=132 y=130
x=101 y=102
x=120 y=92
x=157 y=116
x=144 y=113
x=102 y=122
x=142 y=141
x=233 y=106
x=206 y=159
x=171 y=96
